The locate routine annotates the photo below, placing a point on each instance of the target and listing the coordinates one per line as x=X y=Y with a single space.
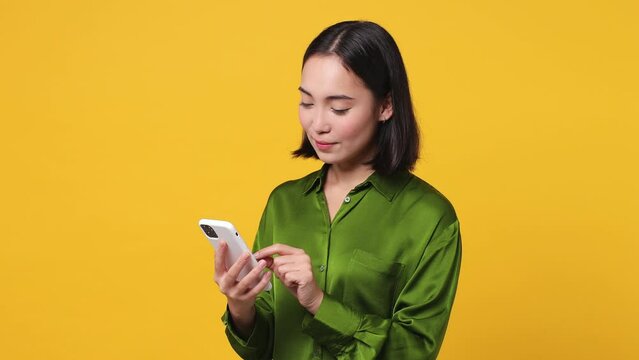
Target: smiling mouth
x=320 y=146
x=324 y=143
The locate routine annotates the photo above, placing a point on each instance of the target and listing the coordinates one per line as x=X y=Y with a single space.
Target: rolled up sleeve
x=259 y=344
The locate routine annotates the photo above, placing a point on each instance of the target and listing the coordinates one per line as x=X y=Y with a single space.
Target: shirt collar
x=387 y=185
x=316 y=179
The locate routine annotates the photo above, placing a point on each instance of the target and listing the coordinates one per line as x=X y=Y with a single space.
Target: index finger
x=220 y=258
x=236 y=268
x=279 y=249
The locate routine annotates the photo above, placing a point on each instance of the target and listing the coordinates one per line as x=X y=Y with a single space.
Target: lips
x=323 y=146
x=323 y=143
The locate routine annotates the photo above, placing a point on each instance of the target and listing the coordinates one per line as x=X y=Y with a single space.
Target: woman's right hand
x=240 y=295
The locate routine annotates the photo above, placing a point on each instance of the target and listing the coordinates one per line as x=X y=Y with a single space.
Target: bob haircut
x=369 y=51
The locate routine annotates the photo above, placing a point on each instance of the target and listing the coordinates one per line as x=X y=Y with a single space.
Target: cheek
x=356 y=128
x=349 y=131
x=305 y=119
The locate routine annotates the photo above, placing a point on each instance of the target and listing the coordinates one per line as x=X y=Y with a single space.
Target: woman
x=367 y=254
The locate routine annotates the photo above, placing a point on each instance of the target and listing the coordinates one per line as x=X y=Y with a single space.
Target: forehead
x=324 y=75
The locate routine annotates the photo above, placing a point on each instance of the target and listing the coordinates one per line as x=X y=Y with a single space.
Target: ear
x=385 y=109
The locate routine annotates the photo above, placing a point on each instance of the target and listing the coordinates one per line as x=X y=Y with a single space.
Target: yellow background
x=124 y=122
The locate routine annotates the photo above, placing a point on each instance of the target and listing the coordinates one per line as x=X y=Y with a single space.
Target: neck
x=347 y=176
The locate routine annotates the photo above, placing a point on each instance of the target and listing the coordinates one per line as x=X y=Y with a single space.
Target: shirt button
x=347 y=199
x=322 y=268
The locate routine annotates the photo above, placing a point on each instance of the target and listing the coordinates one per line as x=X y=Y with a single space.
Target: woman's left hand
x=293 y=267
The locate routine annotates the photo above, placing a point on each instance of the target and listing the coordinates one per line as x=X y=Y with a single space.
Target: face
x=338 y=112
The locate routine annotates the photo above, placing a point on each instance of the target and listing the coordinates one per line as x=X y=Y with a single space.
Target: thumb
x=269 y=261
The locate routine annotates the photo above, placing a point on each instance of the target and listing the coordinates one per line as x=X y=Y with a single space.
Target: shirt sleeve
x=417 y=326
x=259 y=344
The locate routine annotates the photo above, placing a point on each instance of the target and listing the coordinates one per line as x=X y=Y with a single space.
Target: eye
x=340 y=111
x=305 y=105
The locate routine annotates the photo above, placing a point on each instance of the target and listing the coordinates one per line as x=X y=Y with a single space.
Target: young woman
x=367 y=254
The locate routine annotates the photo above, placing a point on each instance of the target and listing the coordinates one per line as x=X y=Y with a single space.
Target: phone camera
x=208 y=230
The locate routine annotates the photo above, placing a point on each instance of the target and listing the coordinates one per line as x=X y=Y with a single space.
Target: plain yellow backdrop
x=125 y=122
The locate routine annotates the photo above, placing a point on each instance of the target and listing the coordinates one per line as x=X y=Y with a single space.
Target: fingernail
x=262 y=263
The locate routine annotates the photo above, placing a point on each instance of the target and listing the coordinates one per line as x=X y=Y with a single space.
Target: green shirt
x=388 y=265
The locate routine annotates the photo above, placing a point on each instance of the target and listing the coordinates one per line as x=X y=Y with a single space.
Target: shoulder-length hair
x=368 y=50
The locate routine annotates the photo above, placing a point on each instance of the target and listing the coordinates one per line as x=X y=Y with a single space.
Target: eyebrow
x=332 y=97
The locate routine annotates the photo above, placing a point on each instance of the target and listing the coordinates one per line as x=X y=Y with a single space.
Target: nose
x=320 y=123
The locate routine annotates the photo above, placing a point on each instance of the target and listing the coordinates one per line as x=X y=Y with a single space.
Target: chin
x=327 y=158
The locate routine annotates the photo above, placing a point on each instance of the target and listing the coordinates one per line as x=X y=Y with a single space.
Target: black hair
x=368 y=50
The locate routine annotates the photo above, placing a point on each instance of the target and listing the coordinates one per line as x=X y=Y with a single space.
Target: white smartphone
x=216 y=230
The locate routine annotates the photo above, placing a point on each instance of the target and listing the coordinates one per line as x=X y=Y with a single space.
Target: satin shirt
x=388 y=264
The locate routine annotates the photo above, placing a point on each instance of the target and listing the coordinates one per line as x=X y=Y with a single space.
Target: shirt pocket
x=371 y=283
